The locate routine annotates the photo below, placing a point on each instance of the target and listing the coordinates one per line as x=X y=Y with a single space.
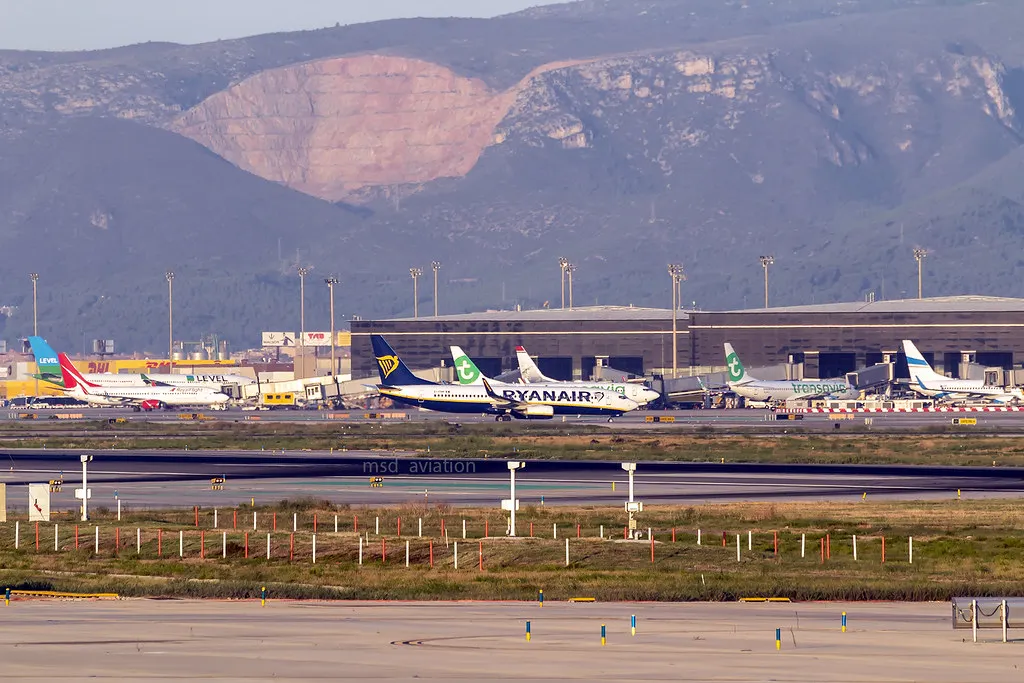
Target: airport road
x=739 y=420
x=300 y=641
x=168 y=479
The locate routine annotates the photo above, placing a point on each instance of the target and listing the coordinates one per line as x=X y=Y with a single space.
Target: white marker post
x=854 y=547
x=335 y=523
x=214 y=518
x=602 y=531
x=750 y=540
x=737 y=547
x=268 y=545
x=181 y=543
x=463 y=529
x=224 y=544
x=803 y=544
x=138 y=541
x=360 y=551
x=698 y=536
x=119 y=509
x=974 y=619
x=455 y=554
x=420 y=535
x=554 y=531
x=56 y=534
x=17 y=533
x=567 y=552
x=1004 y=618
x=910 y=549
x=295 y=521
x=314 y=548
x=97 y=544
x=407 y=554
x=254 y=520
x=376 y=527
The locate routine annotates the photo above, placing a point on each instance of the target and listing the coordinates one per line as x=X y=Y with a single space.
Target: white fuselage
x=171 y=396
x=563 y=398
x=784 y=390
x=212 y=381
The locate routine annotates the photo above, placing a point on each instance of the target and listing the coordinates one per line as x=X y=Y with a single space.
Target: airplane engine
x=536 y=412
x=150 y=405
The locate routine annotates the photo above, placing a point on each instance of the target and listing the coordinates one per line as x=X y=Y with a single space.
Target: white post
x=420 y=534
x=360 y=551
x=456 y=554
x=214 y=518
x=181 y=543
x=630 y=484
x=295 y=521
x=17 y=532
x=910 y=549
x=224 y=544
x=602 y=531
x=649 y=534
x=974 y=619
x=567 y=552
x=268 y=545
x=554 y=530
x=750 y=540
x=376 y=526
x=138 y=541
x=254 y=520
x=85 y=487
x=97 y=544
x=803 y=544
x=119 y=509
x=463 y=529
x=314 y=548
x=737 y=547
x=698 y=536
x=335 y=523
x=1003 y=617
x=56 y=534
x=407 y=553
x=855 y=547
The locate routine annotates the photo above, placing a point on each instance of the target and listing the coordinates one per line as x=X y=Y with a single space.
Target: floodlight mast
x=85 y=487
x=632 y=507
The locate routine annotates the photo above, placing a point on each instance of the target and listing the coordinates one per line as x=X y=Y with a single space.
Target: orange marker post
x=117 y=539
x=247 y=545
x=828 y=547
x=159 y=542
x=883 y=549
x=291 y=547
x=37 y=537
x=196 y=508
x=481 y=555
x=383 y=551
x=202 y=544
x=431 y=553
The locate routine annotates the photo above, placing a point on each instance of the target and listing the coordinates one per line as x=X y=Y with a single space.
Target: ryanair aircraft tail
x=393 y=372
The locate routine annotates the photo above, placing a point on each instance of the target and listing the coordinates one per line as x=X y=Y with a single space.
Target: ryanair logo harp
x=388 y=364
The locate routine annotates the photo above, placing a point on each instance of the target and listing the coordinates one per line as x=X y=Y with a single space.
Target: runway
x=157 y=479
x=300 y=641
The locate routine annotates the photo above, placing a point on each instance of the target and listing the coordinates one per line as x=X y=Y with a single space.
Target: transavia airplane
x=755 y=389
x=141 y=398
x=469 y=375
x=927 y=382
x=536 y=401
x=49 y=370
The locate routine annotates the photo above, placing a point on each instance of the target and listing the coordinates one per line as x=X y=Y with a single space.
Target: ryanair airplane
x=523 y=402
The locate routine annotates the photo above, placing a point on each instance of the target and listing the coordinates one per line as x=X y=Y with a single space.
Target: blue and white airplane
x=505 y=401
x=925 y=381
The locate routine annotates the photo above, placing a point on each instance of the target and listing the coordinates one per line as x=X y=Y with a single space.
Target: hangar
x=825 y=340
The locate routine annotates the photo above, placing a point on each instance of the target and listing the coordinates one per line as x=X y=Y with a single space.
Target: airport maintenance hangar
x=817 y=341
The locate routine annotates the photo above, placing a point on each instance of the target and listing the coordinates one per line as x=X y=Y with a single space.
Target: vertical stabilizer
x=393 y=372
x=734 y=367
x=528 y=370
x=465 y=369
x=921 y=371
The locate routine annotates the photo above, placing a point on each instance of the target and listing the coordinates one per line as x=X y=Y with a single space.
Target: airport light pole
x=563 y=263
x=513 y=503
x=416 y=272
x=331 y=281
x=570 y=268
x=632 y=507
x=675 y=270
x=170 y=317
x=35 y=316
x=303 y=272
x=85 y=487
x=919 y=255
x=765 y=262
x=436 y=265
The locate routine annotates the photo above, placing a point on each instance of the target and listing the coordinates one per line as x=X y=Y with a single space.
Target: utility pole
x=919 y=255
x=570 y=268
x=563 y=263
x=436 y=265
x=415 y=273
x=170 y=317
x=675 y=270
x=303 y=272
x=331 y=281
x=765 y=262
x=35 y=316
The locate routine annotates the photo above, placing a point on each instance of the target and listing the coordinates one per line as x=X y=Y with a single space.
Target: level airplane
x=504 y=401
x=925 y=381
x=469 y=374
x=138 y=397
x=49 y=370
x=755 y=389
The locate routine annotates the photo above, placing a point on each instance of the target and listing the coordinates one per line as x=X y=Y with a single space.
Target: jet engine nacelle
x=150 y=404
x=536 y=412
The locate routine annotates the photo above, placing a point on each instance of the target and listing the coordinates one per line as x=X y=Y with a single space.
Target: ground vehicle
x=282 y=400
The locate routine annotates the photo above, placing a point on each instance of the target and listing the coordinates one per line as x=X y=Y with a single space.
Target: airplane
x=925 y=381
x=504 y=401
x=49 y=370
x=469 y=374
x=755 y=389
x=138 y=397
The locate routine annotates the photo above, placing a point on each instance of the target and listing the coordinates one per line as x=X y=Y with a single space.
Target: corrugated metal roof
x=938 y=304
x=579 y=313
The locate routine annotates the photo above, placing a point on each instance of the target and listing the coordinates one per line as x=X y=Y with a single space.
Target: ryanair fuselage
x=553 y=399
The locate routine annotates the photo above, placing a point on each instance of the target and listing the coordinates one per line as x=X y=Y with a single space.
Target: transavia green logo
x=735 y=368
x=467 y=371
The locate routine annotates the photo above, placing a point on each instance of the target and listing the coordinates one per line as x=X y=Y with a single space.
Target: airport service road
x=135 y=640
x=170 y=479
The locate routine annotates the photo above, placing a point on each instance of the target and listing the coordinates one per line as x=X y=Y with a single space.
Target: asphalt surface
x=183 y=478
x=737 y=419
x=140 y=640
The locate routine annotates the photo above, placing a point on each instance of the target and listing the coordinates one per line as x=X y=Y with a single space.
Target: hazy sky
x=92 y=24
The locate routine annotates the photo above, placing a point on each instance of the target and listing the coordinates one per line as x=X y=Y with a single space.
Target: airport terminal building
x=818 y=341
